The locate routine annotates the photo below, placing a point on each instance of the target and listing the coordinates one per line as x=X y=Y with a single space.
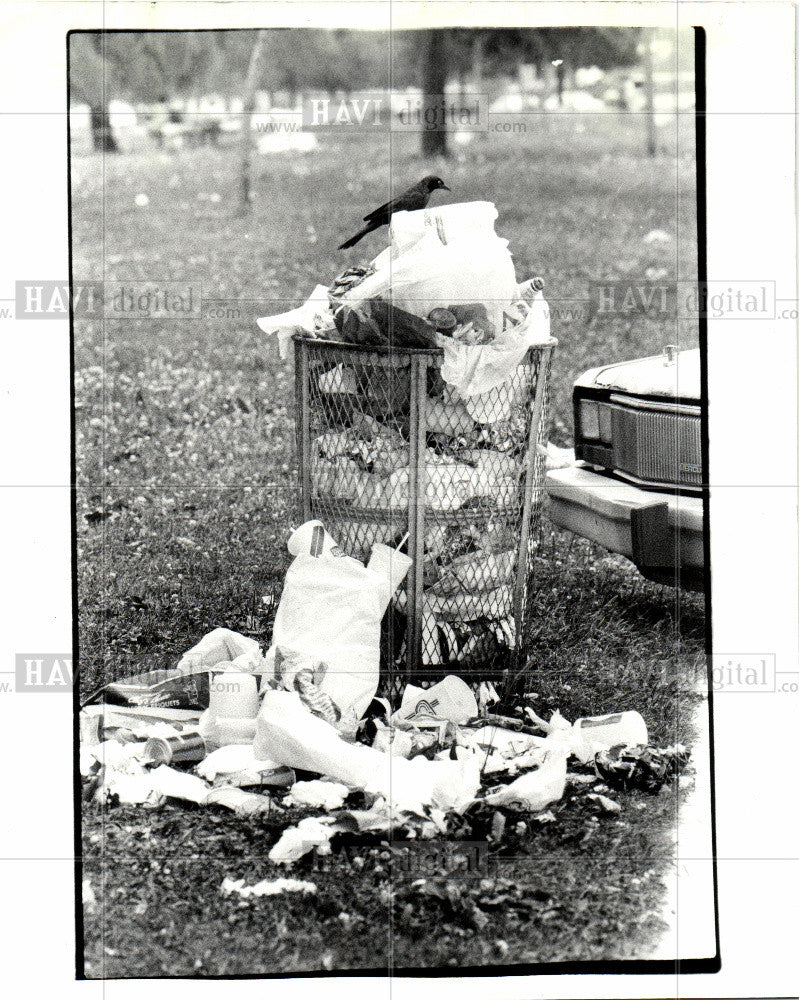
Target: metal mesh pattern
x=389 y=453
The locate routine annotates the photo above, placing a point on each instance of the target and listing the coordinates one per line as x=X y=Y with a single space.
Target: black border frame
x=650 y=967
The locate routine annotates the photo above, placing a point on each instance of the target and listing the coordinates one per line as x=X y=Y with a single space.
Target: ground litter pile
x=435 y=766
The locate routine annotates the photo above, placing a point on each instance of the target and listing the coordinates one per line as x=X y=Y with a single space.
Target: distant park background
x=171 y=89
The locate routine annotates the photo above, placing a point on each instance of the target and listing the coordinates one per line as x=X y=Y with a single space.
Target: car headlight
x=589 y=419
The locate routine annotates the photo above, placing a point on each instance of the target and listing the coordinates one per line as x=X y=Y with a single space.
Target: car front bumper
x=662 y=533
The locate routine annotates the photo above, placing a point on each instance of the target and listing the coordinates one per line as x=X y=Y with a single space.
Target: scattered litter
x=241 y=802
x=451 y=699
x=591 y=734
x=143 y=720
x=289 y=734
x=157 y=688
x=486 y=695
x=268 y=887
x=399 y=743
x=419 y=769
x=119 y=757
x=232 y=707
x=627 y=728
x=325 y=795
x=130 y=789
x=498 y=827
x=298 y=840
x=236 y=765
x=88 y=897
x=141 y=200
x=178 y=784
x=189 y=749
x=222 y=646
x=643 y=767
x=537 y=789
x=232 y=758
x=606 y=805
x=581 y=779
x=378 y=818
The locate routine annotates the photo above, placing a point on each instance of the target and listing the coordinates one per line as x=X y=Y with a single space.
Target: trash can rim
x=388 y=349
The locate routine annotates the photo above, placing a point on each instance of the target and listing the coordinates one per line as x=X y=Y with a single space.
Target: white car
x=638 y=486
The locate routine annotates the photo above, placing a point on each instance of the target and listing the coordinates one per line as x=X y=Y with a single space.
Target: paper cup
x=451 y=699
x=234 y=695
x=311 y=539
x=392 y=567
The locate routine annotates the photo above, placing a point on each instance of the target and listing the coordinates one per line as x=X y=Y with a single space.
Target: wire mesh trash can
x=389 y=453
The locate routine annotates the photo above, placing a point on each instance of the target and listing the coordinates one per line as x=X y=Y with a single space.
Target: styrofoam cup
x=392 y=567
x=234 y=695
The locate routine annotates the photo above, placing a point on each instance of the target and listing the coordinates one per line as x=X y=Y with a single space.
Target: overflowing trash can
x=390 y=454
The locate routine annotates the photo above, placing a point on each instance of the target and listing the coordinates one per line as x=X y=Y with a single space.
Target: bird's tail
x=354 y=239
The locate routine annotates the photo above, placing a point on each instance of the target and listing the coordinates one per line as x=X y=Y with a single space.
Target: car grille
x=654 y=443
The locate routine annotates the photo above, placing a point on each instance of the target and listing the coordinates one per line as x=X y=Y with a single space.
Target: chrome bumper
x=661 y=533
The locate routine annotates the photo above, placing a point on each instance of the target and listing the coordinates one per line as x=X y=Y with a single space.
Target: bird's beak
x=445 y=188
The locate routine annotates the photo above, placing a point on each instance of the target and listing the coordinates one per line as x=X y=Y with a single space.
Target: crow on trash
x=412 y=200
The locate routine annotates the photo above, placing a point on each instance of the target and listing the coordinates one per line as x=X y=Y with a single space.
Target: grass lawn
x=186 y=490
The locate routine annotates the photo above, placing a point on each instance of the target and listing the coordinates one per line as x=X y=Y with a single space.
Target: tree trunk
x=477 y=79
x=434 y=80
x=560 y=71
x=245 y=137
x=649 y=83
x=477 y=63
x=103 y=140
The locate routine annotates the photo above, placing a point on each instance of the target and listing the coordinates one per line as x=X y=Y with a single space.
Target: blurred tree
x=88 y=83
x=649 y=84
x=434 y=81
x=500 y=51
x=248 y=107
x=603 y=47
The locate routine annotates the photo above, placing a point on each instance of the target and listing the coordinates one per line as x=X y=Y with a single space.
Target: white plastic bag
x=223 y=646
x=444 y=257
x=287 y=733
x=328 y=621
x=537 y=789
x=465 y=220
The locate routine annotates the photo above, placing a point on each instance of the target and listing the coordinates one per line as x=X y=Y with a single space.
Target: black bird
x=414 y=198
